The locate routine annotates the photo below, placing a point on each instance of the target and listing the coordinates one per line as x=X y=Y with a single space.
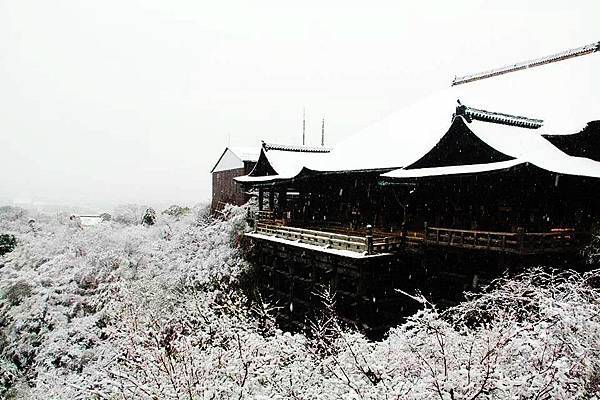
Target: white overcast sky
x=124 y=101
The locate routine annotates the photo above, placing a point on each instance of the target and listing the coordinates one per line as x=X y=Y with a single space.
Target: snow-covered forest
x=127 y=310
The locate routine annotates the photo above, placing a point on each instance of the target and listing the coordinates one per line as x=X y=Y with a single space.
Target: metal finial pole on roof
x=303 y=126
x=323 y=132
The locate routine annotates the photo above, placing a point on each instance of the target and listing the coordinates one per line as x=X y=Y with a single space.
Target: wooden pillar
x=369 y=239
x=290 y=278
x=361 y=290
x=302 y=204
x=271 y=200
x=260 y=199
x=521 y=240
x=282 y=202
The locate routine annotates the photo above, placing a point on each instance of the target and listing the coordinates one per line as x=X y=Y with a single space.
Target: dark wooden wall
x=226 y=190
x=523 y=197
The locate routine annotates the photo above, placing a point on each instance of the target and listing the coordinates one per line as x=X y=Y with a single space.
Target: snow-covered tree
x=121 y=310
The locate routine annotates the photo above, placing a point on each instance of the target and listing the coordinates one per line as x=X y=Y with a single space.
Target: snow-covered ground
x=122 y=310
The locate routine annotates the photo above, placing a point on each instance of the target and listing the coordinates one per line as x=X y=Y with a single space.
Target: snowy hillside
x=123 y=310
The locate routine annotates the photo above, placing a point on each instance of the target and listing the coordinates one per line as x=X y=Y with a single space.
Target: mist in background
x=111 y=102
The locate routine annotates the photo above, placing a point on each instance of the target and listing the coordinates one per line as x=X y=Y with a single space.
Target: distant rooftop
x=246 y=153
x=235 y=157
x=300 y=149
x=563 y=55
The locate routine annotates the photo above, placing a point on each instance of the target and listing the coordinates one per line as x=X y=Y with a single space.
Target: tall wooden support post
x=302 y=205
x=361 y=286
x=281 y=200
x=261 y=196
x=290 y=278
x=369 y=238
x=521 y=240
x=271 y=200
x=250 y=219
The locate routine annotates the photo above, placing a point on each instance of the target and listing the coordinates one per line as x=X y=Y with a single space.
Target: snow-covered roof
x=90 y=220
x=528 y=146
x=582 y=144
x=523 y=144
x=246 y=153
x=234 y=157
x=291 y=147
x=453 y=169
x=563 y=94
x=260 y=179
x=283 y=161
x=563 y=55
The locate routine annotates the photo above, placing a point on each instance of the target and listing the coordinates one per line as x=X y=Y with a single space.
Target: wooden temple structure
x=233 y=162
x=441 y=197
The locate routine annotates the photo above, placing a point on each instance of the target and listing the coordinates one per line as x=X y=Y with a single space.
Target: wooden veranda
x=371 y=240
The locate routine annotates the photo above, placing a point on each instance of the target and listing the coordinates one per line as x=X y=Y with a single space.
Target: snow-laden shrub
x=206 y=343
x=202 y=213
x=7 y=243
x=105 y=217
x=15 y=293
x=149 y=217
x=10 y=213
x=592 y=251
x=176 y=211
x=59 y=282
x=128 y=214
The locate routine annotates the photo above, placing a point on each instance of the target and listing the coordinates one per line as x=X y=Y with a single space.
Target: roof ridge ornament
x=470 y=114
x=295 y=148
x=563 y=55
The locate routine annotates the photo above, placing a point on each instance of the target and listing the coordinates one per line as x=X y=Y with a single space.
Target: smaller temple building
x=234 y=162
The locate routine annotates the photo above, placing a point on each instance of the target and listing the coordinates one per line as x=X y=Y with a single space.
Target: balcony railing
x=373 y=241
x=508 y=242
x=315 y=237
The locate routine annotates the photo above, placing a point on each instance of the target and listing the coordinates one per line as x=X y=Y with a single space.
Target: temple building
x=510 y=153
x=234 y=162
x=501 y=165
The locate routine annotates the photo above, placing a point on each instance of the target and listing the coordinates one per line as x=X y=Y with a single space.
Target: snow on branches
x=124 y=310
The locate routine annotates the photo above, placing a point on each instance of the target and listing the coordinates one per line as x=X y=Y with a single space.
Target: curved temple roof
x=565 y=95
x=278 y=162
x=453 y=169
x=514 y=142
x=582 y=144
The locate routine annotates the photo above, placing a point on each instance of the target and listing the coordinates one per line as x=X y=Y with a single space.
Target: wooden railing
x=509 y=242
x=262 y=215
x=472 y=239
x=398 y=241
x=372 y=241
x=550 y=242
x=369 y=242
x=315 y=237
